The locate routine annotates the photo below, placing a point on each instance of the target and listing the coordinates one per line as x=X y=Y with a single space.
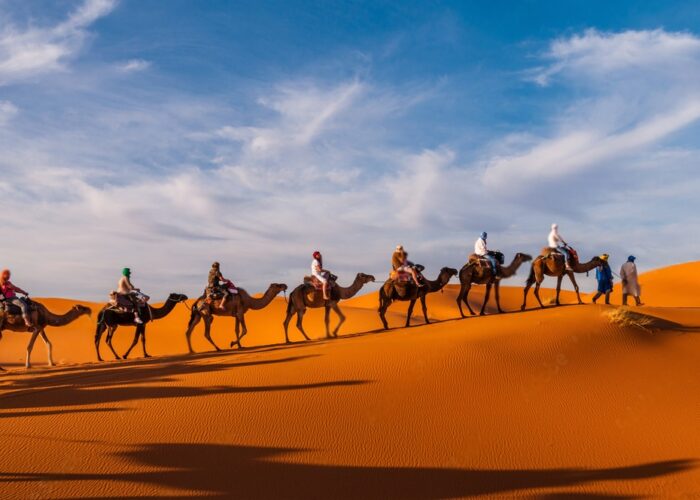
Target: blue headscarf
x=484 y=235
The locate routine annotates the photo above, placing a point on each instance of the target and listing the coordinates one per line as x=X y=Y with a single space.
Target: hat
x=555 y=226
x=484 y=234
x=215 y=264
x=631 y=258
x=126 y=271
x=399 y=248
x=605 y=257
x=316 y=254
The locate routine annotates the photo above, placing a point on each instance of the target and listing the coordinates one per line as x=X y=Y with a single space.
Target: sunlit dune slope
x=543 y=403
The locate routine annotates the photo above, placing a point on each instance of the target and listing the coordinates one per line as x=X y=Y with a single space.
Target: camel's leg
x=30 y=346
x=341 y=318
x=49 y=347
x=537 y=294
x=290 y=313
x=143 y=341
x=527 y=289
x=410 y=312
x=237 y=330
x=110 y=334
x=133 y=344
x=383 y=306
x=241 y=330
x=244 y=330
x=487 y=294
x=424 y=305
x=1 y=368
x=194 y=321
x=559 y=278
x=300 y=325
x=207 y=331
x=464 y=292
x=573 y=282
x=99 y=330
x=327 y=320
x=497 y=292
x=460 y=297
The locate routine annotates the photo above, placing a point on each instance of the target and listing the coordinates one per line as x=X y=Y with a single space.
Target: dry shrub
x=622 y=316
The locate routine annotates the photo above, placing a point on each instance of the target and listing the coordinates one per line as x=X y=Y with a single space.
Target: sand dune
x=546 y=403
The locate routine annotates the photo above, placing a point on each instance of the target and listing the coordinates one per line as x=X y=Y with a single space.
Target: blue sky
x=162 y=135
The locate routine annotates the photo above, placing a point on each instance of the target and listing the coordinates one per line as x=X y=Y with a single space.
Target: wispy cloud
x=134 y=65
x=30 y=51
x=7 y=112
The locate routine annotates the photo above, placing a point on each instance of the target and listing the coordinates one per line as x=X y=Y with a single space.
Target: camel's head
x=365 y=278
x=448 y=272
x=177 y=297
x=523 y=257
x=280 y=287
x=83 y=310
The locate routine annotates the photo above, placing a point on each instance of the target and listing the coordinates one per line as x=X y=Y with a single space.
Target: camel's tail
x=290 y=303
x=193 y=312
x=531 y=277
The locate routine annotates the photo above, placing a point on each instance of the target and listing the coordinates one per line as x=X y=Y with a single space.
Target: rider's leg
x=135 y=304
x=224 y=295
x=414 y=275
x=494 y=264
x=24 y=306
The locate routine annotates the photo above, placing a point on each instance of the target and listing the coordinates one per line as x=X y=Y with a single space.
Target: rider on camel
x=481 y=249
x=401 y=264
x=130 y=293
x=321 y=274
x=9 y=292
x=217 y=283
x=556 y=242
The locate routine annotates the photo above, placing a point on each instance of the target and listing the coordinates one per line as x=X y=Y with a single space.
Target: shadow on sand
x=252 y=472
x=126 y=382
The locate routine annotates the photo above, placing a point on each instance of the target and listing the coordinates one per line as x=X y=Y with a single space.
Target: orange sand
x=545 y=403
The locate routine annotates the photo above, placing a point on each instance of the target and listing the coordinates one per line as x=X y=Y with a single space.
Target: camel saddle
x=314 y=288
x=482 y=261
x=7 y=309
x=553 y=252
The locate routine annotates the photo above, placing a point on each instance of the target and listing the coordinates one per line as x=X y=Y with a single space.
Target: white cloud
x=640 y=89
x=7 y=112
x=36 y=50
x=134 y=65
x=601 y=55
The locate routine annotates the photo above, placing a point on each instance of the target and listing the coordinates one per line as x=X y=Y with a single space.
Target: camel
x=305 y=296
x=40 y=318
x=473 y=273
x=388 y=294
x=552 y=264
x=235 y=306
x=110 y=319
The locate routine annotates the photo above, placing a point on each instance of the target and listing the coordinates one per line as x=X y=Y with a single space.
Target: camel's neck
x=350 y=291
x=63 y=319
x=437 y=284
x=261 y=302
x=508 y=271
x=164 y=310
x=586 y=266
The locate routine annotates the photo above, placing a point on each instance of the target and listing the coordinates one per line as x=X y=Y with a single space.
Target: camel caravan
x=128 y=306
